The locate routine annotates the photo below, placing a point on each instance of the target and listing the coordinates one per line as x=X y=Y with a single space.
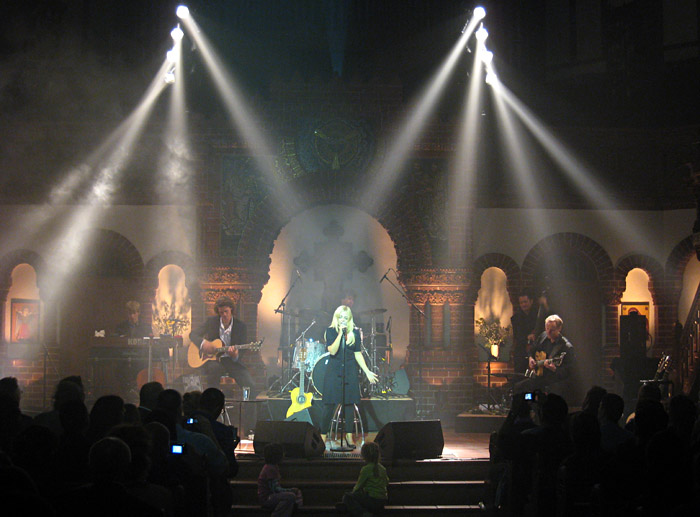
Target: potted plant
x=492 y=337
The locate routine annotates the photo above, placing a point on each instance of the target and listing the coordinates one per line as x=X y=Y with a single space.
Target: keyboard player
x=132 y=326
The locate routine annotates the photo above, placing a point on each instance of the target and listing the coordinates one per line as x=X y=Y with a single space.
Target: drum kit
x=307 y=358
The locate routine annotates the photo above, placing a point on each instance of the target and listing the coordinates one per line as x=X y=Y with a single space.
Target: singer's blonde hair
x=340 y=311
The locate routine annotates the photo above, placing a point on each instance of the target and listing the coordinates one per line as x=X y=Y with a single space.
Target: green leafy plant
x=490 y=333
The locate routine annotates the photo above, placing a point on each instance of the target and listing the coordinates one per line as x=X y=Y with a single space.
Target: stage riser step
x=402 y=493
x=344 y=470
x=328 y=511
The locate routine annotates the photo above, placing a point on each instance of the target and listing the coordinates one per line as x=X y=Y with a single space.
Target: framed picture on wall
x=641 y=308
x=25 y=317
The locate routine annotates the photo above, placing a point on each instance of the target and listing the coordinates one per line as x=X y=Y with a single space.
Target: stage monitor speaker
x=414 y=439
x=300 y=416
x=299 y=439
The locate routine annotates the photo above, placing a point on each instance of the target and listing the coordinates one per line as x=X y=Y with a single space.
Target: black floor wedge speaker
x=299 y=439
x=414 y=439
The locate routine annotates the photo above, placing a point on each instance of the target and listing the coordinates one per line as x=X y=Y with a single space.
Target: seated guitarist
x=230 y=332
x=546 y=375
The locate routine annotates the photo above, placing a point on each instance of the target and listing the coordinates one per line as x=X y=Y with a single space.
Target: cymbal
x=371 y=312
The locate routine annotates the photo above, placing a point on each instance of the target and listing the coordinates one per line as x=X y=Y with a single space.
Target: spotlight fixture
x=481 y=34
x=487 y=57
x=182 y=12
x=169 y=77
x=171 y=55
x=177 y=34
x=491 y=78
x=477 y=15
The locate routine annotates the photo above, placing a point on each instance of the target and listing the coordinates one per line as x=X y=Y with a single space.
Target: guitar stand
x=286 y=388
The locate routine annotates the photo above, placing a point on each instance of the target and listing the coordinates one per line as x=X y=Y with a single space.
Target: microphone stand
x=420 y=333
x=282 y=309
x=301 y=339
x=341 y=413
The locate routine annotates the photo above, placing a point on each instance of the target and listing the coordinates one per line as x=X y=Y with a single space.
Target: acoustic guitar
x=540 y=362
x=301 y=399
x=195 y=357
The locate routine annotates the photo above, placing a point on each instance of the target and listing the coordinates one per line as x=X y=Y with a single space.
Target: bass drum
x=319 y=372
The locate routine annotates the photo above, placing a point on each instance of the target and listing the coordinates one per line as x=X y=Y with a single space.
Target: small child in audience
x=281 y=501
x=370 y=493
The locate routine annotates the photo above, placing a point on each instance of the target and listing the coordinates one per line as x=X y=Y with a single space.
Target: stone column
x=244 y=287
x=438 y=372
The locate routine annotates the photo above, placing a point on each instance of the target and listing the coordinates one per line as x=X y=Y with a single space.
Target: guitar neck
x=554 y=360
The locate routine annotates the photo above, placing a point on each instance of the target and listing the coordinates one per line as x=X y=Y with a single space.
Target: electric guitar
x=195 y=357
x=540 y=363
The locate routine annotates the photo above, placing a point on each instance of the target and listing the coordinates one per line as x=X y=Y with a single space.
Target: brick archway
x=577 y=243
x=166 y=258
x=650 y=266
x=119 y=247
x=505 y=264
x=17 y=257
x=676 y=263
x=593 y=279
x=405 y=229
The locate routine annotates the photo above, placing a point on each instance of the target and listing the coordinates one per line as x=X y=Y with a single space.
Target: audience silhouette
x=117 y=459
x=544 y=463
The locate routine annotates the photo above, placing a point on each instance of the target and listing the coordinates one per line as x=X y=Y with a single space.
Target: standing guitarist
x=230 y=332
x=551 y=359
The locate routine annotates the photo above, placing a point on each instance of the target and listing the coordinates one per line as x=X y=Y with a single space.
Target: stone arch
x=178 y=312
x=505 y=264
x=675 y=265
x=166 y=258
x=117 y=247
x=21 y=256
x=589 y=311
x=404 y=227
x=576 y=243
x=650 y=265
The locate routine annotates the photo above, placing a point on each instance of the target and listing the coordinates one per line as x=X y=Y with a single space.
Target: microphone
x=299 y=275
x=388 y=325
x=384 y=277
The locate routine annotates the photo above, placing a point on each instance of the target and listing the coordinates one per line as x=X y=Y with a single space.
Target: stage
x=458 y=446
x=374 y=411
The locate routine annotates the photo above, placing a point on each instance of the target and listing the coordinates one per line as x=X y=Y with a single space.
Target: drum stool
x=337 y=424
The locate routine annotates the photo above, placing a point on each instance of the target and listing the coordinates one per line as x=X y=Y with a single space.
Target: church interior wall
x=151 y=229
x=514 y=231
